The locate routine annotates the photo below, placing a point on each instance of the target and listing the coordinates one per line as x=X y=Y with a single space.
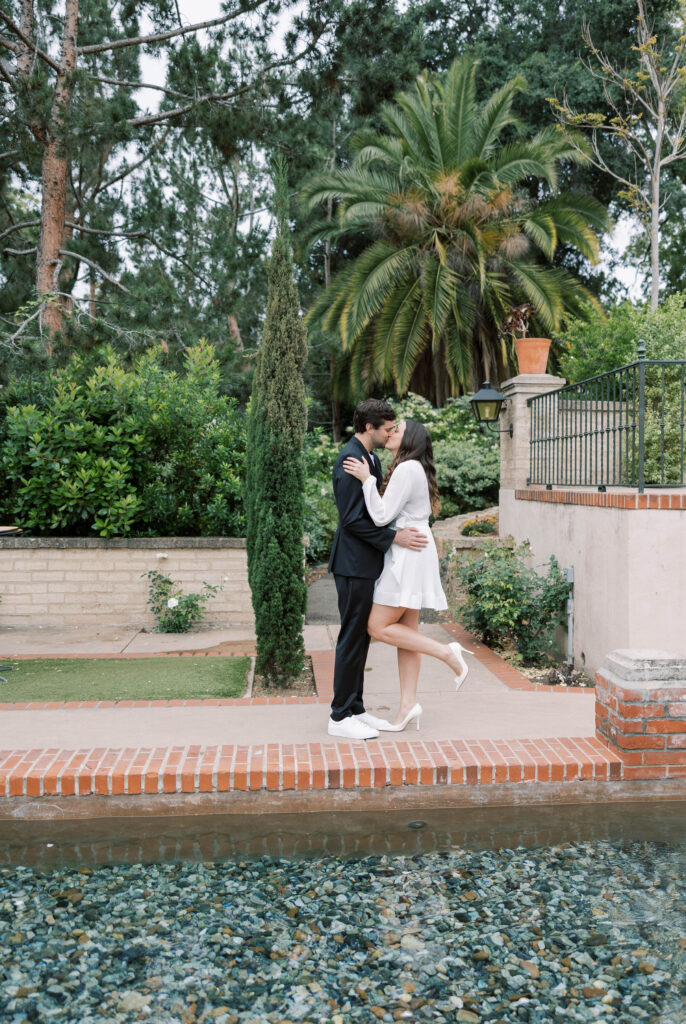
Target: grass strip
x=51 y=679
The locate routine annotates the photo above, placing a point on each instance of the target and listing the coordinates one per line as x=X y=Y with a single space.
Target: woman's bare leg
x=409 y=664
x=385 y=624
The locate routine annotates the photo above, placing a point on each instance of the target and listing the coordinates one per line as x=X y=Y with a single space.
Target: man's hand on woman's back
x=411 y=538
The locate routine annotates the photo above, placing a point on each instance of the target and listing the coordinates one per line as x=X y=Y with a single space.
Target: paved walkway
x=484 y=708
x=499 y=728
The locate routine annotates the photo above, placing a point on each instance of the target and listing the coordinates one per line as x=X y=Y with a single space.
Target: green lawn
x=46 y=679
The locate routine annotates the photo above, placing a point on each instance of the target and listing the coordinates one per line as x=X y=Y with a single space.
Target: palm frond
x=370 y=147
x=346 y=186
x=495 y=116
x=439 y=286
x=541 y=228
x=541 y=286
x=389 y=324
x=409 y=339
x=419 y=110
x=520 y=160
x=459 y=110
x=568 y=145
x=374 y=273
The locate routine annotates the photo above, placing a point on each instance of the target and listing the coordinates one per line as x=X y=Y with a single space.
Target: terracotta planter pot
x=532 y=354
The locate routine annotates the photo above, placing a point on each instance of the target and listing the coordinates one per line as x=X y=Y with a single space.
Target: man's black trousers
x=355 y=598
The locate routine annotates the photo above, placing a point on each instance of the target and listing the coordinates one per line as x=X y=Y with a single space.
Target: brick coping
x=277 y=767
x=322 y=665
x=620 y=498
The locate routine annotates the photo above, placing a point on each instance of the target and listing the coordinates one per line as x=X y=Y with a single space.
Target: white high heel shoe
x=411 y=715
x=457 y=650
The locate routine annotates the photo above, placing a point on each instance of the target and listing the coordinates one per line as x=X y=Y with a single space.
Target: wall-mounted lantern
x=486 y=405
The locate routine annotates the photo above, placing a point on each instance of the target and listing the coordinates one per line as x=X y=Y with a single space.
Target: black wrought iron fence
x=624 y=428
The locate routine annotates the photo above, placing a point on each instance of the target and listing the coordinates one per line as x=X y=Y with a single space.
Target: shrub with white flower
x=175 y=611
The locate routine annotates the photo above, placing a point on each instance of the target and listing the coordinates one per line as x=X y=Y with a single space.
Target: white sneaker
x=372 y=721
x=352 y=729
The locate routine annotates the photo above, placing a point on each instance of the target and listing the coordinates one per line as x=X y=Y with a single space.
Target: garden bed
x=556 y=673
x=303 y=686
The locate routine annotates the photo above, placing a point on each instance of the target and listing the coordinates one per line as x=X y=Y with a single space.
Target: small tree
x=275 y=466
x=647 y=116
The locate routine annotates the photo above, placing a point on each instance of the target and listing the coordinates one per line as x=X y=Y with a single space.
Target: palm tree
x=460 y=227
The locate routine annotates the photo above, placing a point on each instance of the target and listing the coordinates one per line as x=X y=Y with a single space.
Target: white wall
x=629 y=571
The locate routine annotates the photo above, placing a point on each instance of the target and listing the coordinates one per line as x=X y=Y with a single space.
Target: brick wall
x=641 y=712
x=74 y=581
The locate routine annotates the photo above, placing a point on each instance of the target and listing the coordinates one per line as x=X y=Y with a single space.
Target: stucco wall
x=73 y=581
x=629 y=570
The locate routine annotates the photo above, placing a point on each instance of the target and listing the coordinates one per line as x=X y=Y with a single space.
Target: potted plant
x=532 y=353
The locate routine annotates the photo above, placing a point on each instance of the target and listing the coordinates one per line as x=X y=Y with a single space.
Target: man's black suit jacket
x=359 y=545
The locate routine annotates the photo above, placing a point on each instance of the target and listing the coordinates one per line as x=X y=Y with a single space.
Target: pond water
x=512 y=914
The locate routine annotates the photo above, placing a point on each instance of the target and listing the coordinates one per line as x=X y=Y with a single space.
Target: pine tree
x=275 y=466
x=76 y=133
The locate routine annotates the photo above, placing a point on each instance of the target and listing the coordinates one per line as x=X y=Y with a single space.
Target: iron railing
x=624 y=428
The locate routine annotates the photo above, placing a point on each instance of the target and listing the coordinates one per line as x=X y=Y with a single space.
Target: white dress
x=409 y=579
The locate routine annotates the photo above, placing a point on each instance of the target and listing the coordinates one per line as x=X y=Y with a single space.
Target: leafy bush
x=321 y=517
x=453 y=422
x=604 y=342
x=123 y=451
x=175 y=611
x=468 y=475
x=507 y=600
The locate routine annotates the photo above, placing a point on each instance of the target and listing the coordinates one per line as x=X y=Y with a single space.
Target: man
x=357 y=557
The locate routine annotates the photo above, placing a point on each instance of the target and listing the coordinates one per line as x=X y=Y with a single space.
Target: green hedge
x=123 y=451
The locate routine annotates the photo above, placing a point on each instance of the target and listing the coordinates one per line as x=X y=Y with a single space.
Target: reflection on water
x=334 y=833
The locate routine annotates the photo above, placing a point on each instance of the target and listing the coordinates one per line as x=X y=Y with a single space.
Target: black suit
x=356 y=562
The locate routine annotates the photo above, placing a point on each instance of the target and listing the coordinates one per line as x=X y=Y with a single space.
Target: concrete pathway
x=64 y=641
x=484 y=708
x=498 y=728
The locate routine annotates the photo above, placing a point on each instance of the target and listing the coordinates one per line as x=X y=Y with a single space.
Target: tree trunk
x=54 y=184
x=25 y=55
x=655 y=242
x=655 y=208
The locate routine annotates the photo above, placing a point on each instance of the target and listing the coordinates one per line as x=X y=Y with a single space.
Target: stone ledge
x=114 y=543
x=21 y=810
x=649 y=666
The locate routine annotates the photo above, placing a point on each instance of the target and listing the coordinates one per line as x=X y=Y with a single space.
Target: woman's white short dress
x=410 y=579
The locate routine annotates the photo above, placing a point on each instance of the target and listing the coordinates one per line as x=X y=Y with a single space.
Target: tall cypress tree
x=275 y=473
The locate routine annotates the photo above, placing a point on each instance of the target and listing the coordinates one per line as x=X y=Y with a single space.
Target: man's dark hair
x=373 y=411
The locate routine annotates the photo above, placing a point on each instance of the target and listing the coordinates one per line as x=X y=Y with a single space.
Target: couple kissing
x=385 y=565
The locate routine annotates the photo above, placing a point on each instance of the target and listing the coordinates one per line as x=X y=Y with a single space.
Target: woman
x=410 y=580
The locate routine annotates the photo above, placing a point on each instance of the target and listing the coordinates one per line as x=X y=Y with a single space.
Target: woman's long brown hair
x=416 y=444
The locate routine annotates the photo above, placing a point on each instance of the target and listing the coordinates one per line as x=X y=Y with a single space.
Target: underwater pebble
x=578 y=932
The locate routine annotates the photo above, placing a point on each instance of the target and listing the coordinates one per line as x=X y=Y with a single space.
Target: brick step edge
x=315 y=766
